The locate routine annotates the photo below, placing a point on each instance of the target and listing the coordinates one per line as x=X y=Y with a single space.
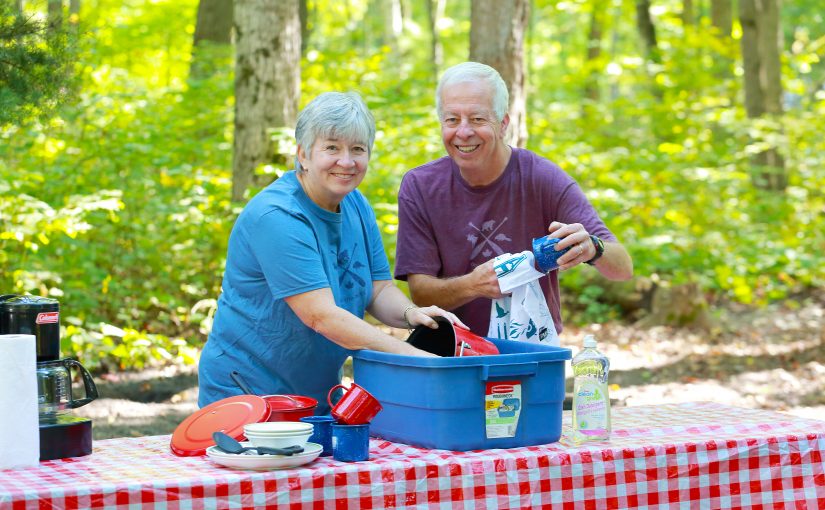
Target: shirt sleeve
x=379 y=264
x=575 y=208
x=416 y=250
x=286 y=248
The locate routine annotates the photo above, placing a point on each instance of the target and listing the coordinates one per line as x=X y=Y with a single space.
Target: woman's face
x=332 y=169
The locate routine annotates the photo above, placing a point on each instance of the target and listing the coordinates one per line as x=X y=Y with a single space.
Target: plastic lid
x=589 y=341
x=21 y=303
x=194 y=434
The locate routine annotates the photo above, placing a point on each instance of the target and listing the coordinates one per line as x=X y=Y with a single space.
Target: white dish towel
x=523 y=315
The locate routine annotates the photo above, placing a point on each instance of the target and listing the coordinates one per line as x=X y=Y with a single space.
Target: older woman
x=305 y=261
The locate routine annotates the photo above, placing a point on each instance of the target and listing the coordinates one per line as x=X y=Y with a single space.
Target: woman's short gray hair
x=338 y=115
x=474 y=71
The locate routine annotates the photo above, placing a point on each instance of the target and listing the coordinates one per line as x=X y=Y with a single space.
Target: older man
x=486 y=198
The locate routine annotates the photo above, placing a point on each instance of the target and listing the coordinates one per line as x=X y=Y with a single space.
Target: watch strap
x=599 y=245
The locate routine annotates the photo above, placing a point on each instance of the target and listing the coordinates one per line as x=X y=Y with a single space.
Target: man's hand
x=485 y=281
x=575 y=237
x=450 y=293
x=614 y=264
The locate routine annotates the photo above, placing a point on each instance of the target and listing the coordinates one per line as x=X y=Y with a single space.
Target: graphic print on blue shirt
x=348 y=277
x=485 y=239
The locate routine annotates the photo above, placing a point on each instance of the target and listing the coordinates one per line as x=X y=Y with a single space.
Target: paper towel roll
x=19 y=427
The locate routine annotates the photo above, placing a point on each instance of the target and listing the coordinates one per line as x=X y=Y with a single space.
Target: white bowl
x=279 y=441
x=277 y=428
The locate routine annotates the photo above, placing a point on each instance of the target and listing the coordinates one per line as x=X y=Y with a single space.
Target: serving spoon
x=230 y=445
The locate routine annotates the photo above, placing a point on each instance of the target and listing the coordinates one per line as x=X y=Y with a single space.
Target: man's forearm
x=447 y=293
x=615 y=263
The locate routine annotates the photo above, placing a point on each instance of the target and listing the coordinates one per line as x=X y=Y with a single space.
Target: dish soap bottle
x=591 y=401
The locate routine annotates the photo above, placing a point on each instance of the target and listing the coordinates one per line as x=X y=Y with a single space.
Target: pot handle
x=513 y=369
x=88 y=384
x=295 y=402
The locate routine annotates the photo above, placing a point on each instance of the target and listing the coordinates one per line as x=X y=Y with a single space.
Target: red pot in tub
x=450 y=340
x=289 y=407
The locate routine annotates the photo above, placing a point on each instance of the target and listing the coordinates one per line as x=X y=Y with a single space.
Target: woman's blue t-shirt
x=284 y=244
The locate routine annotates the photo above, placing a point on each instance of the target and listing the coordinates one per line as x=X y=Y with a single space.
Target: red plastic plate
x=194 y=434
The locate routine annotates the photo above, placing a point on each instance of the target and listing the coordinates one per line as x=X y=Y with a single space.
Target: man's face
x=469 y=129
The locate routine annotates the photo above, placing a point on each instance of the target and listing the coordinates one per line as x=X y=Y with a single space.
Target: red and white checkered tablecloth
x=683 y=456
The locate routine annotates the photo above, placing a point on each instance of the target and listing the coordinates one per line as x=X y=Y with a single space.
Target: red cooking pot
x=289 y=407
x=450 y=340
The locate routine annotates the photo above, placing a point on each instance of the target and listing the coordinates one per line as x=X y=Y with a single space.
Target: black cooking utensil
x=230 y=445
x=240 y=382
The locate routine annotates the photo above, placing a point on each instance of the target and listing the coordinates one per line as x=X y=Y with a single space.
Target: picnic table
x=688 y=455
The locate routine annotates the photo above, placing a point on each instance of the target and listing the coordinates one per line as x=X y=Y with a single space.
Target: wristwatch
x=599 y=245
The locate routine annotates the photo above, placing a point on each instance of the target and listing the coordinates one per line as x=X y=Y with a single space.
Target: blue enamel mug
x=350 y=443
x=544 y=250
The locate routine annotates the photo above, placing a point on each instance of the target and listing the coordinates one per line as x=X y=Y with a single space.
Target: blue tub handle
x=510 y=370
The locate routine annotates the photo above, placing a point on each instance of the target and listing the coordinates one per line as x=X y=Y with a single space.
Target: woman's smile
x=332 y=169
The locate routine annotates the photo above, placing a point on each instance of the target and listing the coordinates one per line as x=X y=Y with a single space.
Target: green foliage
x=119 y=205
x=123 y=212
x=33 y=66
x=665 y=158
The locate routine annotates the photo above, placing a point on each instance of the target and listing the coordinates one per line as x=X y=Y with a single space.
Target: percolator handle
x=88 y=384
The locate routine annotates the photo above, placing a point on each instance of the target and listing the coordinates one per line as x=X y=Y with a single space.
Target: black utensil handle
x=289 y=450
x=240 y=382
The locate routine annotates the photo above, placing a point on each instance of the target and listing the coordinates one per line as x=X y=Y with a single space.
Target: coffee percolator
x=62 y=434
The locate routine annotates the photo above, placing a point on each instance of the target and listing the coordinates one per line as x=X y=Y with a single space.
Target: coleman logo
x=47 y=318
x=502 y=388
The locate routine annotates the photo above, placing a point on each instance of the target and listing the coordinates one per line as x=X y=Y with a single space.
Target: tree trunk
x=214 y=22
x=721 y=15
x=267 y=81
x=647 y=30
x=594 y=50
x=55 y=14
x=213 y=30
x=18 y=6
x=435 y=11
x=687 y=13
x=679 y=305
x=74 y=16
x=497 y=39
x=303 y=14
x=761 y=43
x=393 y=22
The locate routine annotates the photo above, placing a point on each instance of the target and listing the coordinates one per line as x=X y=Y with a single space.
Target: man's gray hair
x=474 y=71
x=337 y=115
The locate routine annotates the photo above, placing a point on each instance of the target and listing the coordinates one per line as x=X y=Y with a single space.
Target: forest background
x=117 y=168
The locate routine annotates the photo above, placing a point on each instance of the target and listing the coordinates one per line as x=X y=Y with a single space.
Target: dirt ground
x=768 y=358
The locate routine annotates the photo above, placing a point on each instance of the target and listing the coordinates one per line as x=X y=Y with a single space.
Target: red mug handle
x=329 y=395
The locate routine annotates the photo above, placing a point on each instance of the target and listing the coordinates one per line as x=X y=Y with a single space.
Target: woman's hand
x=415 y=315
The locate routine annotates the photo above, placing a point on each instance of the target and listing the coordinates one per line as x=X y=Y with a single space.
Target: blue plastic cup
x=350 y=443
x=544 y=250
x=321 y=432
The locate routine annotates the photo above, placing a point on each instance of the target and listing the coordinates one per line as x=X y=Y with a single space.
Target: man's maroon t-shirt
x=446 y=227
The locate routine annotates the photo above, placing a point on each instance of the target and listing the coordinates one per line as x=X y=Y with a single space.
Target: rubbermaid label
x=47 y=317
x=502 y=407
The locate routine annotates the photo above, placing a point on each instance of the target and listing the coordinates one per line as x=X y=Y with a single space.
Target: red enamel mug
x=356 y=406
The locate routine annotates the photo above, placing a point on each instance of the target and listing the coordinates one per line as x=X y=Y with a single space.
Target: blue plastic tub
x=471 y=403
